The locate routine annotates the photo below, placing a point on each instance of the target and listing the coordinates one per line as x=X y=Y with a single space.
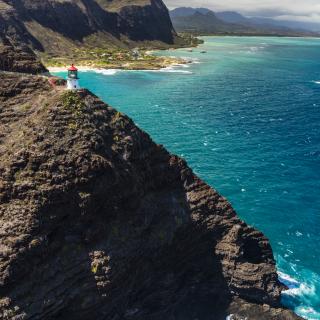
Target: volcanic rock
x=99 y=222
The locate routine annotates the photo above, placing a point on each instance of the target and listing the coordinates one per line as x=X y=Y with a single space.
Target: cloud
x=299 y=10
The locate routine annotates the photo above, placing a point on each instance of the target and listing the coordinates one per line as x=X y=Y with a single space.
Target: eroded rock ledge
x=99 y=222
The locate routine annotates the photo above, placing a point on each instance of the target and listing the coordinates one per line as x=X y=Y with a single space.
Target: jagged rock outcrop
x=15 y=55
x=58 y=26
x=19 y=59
x=99 y=222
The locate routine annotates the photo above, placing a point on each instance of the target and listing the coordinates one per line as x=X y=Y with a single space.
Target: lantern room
x=73 y=72
x=73 y=79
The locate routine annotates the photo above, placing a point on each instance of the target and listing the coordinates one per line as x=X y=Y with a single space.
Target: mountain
x=99 y=222
x=205 y=21
x=57 y=27
x=19 y=59
x=235 y=17
x=187 y=11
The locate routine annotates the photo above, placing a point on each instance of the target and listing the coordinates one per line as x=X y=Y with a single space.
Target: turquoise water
x=246 y=117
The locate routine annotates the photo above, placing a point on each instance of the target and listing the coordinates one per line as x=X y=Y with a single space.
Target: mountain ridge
x=198 y=20
x=60 y=26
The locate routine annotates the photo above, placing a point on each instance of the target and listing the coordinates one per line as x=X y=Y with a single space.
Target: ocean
x=246 y=117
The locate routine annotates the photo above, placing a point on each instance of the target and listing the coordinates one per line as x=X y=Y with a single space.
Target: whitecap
x=288 y=280
x=172 y=69
x=253 y=50
x=178 y=71
x=190 y=59
x=317 y=82
x=232 y=317
x=301 y=290
x=107 y=72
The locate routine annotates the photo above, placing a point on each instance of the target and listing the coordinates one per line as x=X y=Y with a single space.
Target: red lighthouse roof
x=72 y=68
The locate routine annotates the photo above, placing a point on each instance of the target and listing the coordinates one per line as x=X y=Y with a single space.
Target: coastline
x=157 y=63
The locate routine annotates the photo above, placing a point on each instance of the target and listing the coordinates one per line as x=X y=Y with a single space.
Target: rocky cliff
x=99 y=222
x=57 y=26
x=19 y=59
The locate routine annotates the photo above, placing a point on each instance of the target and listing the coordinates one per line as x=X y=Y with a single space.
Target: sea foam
x=300 y=294
x=172 y=69
x=107 y=72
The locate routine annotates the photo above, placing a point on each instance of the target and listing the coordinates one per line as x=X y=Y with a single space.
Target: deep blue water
x=246 y=117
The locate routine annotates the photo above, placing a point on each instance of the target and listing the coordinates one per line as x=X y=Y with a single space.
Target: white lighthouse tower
x=73 y=80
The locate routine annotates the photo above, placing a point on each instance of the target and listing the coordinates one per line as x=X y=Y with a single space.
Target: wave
x=107 y=72
x=172 y=69
x=316 y=81
x=192 y=60
x=233 y=317
x=290 y=282
x=301 y=295
x=255 y=49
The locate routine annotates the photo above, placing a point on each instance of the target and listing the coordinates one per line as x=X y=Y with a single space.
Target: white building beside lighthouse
x=73 y=80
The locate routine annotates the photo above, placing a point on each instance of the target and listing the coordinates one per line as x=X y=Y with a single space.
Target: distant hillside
x=235 y=17
x=187 y=11
x=232 y=17
x=205 y=21
x=202 y=21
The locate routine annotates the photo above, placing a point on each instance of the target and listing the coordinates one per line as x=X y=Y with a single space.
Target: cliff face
x=99 y=222
x=15 y=55
x=56 y=26
x=19 y=59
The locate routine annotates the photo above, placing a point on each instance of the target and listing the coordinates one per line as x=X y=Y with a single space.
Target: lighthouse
x=73 y=80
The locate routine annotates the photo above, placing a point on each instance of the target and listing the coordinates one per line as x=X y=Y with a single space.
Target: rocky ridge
x=56 y=27
x=99 y=222
x=19 y=59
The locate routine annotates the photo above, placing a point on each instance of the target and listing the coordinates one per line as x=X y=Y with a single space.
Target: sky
x=297 y=10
